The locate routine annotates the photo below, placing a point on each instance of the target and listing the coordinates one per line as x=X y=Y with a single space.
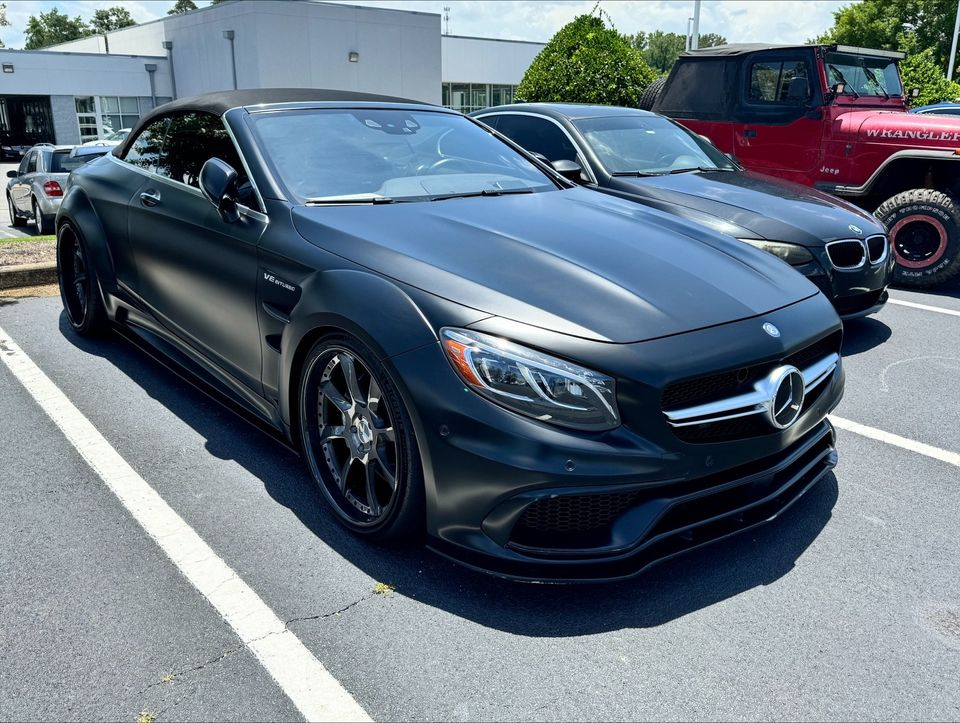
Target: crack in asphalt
x=171 y=677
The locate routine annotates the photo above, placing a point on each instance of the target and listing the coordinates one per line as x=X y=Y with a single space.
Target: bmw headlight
x=534 y=384
x=791 y=253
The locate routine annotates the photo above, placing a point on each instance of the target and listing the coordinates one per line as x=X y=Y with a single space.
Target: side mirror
x=218 y=182
x=915 y=93
x=798 y=90
x=570 y=170
x=13 y=174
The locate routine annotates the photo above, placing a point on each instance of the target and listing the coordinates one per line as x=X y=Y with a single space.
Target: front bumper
x=492 y=476
x=853 y=293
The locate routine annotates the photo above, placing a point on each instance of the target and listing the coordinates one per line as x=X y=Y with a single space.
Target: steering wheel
x=443 y=162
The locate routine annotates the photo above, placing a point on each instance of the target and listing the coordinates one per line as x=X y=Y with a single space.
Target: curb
x=12 y=277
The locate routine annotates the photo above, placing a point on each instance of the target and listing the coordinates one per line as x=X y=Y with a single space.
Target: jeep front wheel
x=925 y=235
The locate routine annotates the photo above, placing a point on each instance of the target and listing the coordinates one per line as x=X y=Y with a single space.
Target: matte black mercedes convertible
x=544 y=381
x=650 y=159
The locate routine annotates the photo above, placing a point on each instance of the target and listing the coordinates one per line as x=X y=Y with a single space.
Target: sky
x=774 y=21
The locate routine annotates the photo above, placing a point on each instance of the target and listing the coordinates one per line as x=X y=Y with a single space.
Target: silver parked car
x=36 y=188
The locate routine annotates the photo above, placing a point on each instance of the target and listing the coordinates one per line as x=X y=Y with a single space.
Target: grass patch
x=383 y=588
x=25 y=239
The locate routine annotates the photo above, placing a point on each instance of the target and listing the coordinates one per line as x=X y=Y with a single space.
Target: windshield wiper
x=351 y=199
x=484 y=192
x=871 y=76
x=846 y=85
x=640 y=174
x=702 y=169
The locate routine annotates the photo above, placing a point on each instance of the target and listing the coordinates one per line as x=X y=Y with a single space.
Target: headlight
x=534 y=384
x=791 y=253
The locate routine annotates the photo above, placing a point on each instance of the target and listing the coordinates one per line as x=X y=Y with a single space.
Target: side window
x=25 y=162
x=32 y=162
x=491 y=120
x=193 y=139
x=538 y=136
x=145 y=150
x=770 y=79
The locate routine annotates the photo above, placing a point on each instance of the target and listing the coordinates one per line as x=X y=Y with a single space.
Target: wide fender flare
x=77 y=210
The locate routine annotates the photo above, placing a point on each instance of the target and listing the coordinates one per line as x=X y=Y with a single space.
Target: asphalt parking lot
x=847 y=608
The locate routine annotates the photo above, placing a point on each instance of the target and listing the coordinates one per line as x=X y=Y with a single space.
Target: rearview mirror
x=13 y=174
x=218 y=182
x=570 y=170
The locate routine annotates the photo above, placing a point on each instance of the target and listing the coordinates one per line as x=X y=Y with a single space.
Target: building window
x=99 y=116
x=468 y=97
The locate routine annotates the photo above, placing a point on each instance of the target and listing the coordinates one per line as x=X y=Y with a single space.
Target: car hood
x=768 y=207
x=575 y=261
x=901 y=129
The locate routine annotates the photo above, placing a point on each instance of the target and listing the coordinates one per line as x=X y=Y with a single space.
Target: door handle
x=150 y=198
x=749 y=133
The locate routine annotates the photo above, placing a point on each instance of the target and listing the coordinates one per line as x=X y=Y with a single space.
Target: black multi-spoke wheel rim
x=74 y=278
x=352 y=441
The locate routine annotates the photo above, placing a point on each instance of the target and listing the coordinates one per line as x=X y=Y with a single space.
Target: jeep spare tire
x=924 y=228
x=651 y=94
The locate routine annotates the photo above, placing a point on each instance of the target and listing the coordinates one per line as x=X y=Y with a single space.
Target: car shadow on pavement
x=864 y=334
x=665 y=592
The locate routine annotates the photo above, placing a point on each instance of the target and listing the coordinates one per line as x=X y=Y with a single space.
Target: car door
x=20 y=192
x=538 y=134
x=774 y=133
x=196 y=272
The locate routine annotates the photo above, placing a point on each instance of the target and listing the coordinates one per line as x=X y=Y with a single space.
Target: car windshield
x=649 y=145
x=377 y=155
x=863 y=75
x=63 y=162
x=117 y=135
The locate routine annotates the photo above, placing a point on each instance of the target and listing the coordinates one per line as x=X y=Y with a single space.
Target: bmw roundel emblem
x=771 y=329
x=855 y=229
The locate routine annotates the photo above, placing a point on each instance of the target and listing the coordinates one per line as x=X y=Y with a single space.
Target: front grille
x=877 y=246
x=571 y=520
x=702 y=390
x=847 y=254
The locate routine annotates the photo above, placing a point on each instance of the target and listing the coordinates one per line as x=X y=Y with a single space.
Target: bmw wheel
x=79 y=290
x=358 y=441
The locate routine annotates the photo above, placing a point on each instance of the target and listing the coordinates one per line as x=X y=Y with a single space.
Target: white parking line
x=924 y=307
x=303 y=678
x=896 y=440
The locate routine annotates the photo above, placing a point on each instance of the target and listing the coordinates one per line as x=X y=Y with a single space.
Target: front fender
x=77 y=210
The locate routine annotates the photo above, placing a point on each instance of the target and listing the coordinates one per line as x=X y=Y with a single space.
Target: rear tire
x=358 y=441
x=43 y=221
x=924 y=228
x=651 y=94
x=15 y=219
x=79 y=289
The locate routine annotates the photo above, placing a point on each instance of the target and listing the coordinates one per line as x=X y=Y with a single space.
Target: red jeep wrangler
x=836 y=118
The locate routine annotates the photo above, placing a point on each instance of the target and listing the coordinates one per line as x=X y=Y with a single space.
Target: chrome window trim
x=583 y=157
x=755 y=401
x=859 y=242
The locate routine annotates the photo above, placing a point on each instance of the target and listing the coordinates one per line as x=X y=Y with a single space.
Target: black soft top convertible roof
x=220 y=102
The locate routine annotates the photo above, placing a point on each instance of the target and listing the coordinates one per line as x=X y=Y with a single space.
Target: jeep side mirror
x=915 y=93
x=218 y=182
x=570 y=170
x=13 y=174
x=838 y=89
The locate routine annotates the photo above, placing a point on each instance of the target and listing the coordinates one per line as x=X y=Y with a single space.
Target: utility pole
x=695 y=33
x=446 y=19
x=953 y=46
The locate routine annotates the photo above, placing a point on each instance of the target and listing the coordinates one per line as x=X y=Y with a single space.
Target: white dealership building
x=86 y=88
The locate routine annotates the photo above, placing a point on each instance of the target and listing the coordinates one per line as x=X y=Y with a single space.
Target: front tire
x=43 y=222
x=358 y=441
x=79 y=290
x=15 y=218
x=924 y=230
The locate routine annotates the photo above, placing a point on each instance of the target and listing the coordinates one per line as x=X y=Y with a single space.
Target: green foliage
x=907 y=25
x=663 y=49
x=182 y=6
x=3 y=20
x=921 y=71
x=637 y=41
x=106 y=19
x=53 y=27
x=586 y=62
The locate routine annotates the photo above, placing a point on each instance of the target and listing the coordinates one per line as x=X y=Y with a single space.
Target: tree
x=182 y=6
x=3 y=20
x=106 y=19
x=711 y=40
x=586 y=62
x=51 y=28
x=907 y=25
x=921 y=71
x=663 y=49
x=637 y=41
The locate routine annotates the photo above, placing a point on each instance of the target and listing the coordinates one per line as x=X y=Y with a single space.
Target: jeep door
x=780 y=120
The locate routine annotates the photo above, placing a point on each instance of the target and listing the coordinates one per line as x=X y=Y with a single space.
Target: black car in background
x=650 y=159
x=547 y=381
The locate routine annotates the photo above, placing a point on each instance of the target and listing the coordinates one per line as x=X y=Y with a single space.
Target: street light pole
x=695 y=33
x=953 y=46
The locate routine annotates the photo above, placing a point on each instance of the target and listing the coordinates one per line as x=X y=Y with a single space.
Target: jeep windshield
x=644 y=145
x=863 y=75
x=377 y=156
